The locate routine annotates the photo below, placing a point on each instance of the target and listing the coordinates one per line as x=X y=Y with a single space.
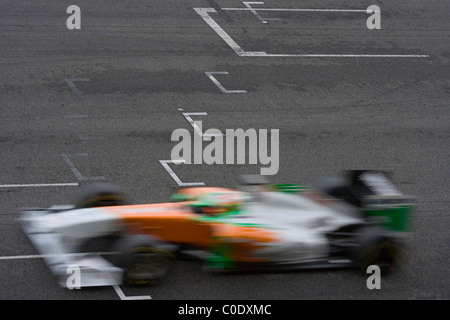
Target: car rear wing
x=381 y=200
x=370 y=190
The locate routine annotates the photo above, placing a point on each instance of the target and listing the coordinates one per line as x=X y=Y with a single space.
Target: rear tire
x=375 y=247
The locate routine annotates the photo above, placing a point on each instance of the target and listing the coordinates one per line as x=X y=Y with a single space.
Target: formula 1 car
x=354 y=221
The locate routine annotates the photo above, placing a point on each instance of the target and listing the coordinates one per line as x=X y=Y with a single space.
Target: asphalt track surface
x=102 y=102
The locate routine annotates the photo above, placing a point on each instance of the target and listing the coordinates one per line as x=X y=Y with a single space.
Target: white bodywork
x=56 y=235
x=300 y=223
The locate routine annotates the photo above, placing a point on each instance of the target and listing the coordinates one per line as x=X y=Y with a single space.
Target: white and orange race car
x=339 y=222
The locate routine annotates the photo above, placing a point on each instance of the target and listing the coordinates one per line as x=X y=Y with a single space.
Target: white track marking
x=165 y=164
x=205 y=137
x=188 y=115
x=205 y=14
x=74 y=88
x=66 y=158
x=31 y=256
x=255 y=12
x=39 y=256
x=122 y=296
x=294 y=10
x=209 y=74
x=35 y=185
x=319 y=55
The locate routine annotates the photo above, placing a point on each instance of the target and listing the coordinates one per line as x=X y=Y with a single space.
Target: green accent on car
x=393 y=217
x=289 y=187
x=181 y=197
x=224 y=218
x=220 y=257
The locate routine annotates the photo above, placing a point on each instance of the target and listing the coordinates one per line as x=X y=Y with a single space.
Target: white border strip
x=205 y=14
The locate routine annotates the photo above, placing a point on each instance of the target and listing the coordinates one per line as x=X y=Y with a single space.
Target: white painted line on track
x=187 y=116
x=219 y=10
x=205 y=15
x=209 y=74
x=165 y=164
x=319 y=55
x=255 y=12
x=205 y=137
x=74 y=88
x=39 y=256
x=295 y=10
x=31 y=256
x=66 y=158
x=122 y=296
x=36 y=185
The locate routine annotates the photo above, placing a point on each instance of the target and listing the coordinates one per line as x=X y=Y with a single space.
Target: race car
x=352 y=221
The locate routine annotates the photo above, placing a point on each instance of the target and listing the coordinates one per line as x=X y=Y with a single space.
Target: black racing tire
x=144 y=260
x=100 y=195
x=374 y=246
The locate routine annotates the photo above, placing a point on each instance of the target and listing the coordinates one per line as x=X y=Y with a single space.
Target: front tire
x=144 y=260
x=100 y=195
